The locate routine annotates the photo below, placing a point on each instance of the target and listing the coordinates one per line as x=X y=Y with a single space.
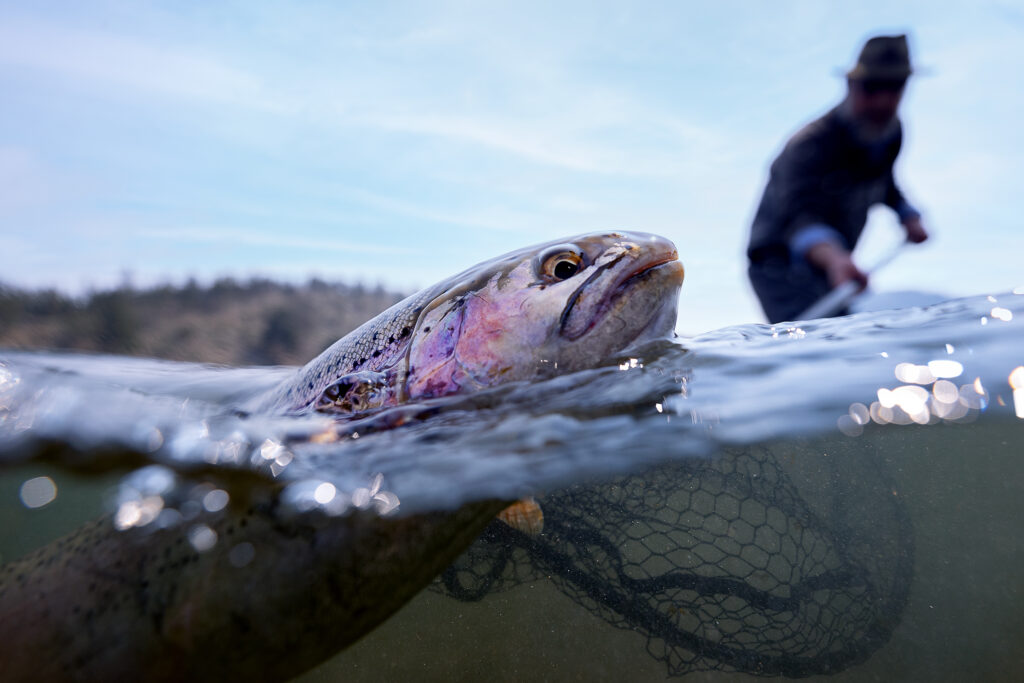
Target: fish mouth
x=613 y=285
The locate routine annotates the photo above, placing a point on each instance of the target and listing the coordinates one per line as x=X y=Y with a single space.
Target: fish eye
x=565 y=269
x=560 y=263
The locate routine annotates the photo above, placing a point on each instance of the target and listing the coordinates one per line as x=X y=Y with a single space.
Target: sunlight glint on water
x=920 y=389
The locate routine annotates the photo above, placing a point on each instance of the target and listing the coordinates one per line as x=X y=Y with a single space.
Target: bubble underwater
x=760 y=499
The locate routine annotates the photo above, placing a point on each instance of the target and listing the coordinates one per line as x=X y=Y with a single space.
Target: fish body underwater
x=146 y=604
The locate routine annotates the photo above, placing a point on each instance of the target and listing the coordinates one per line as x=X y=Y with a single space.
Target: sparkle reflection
x=914 y=374
x=37 y=492
x=325 y=493
x=202 y=537
x=945 y=369
x=849 y=426
x=1004 y=314
x=8 y=382
x=270 y=449
x=138 y=512
x=274 y=453
x=789 y=333
x=216 y=500
x=860 y=414
x=945 y=391
x=926 y=374
x=915 y=403
x=383 y=501
x=1017 y=384
x=309 y=495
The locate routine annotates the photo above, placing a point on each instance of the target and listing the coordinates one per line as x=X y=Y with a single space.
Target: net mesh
x=723 y=564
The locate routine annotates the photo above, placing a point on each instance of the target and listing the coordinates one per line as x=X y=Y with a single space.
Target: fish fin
x=525 y=516
x=355 y=392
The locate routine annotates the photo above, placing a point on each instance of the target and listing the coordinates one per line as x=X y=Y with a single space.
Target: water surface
x=838 y=496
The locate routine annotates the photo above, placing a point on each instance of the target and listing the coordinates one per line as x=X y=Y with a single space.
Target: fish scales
x=373 y=345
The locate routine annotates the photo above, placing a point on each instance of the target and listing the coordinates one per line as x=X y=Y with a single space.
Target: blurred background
x=155 y=151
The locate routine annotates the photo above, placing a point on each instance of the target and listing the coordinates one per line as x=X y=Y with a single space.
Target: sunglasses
x=872 y=86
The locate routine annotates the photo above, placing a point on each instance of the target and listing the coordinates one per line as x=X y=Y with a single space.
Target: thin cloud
x=127 y=63
x=557 y=131
x=262 y=239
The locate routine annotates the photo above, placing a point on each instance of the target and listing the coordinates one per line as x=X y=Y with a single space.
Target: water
x=877 y=454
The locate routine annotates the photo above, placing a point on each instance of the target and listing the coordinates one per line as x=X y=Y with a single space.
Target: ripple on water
x=667 y=401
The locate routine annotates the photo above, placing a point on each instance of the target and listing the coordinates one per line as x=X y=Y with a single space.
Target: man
x=821 y=186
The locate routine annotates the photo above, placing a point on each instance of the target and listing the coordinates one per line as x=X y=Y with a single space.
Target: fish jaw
x=627 y=262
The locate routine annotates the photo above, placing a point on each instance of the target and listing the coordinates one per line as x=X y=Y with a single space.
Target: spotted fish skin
x=103 y=605
x=374 y=345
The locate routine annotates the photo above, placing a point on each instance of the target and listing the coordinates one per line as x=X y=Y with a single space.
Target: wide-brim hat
x=883 y=58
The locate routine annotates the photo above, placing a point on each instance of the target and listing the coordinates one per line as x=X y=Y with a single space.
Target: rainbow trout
x=546 y=309
x=140 y=604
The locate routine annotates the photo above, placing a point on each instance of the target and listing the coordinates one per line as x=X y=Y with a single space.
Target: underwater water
x=837 y=498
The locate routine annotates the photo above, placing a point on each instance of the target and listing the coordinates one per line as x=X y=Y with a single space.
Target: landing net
x=733 y=563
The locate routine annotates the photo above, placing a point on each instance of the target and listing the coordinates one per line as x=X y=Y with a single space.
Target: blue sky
x=401 y=142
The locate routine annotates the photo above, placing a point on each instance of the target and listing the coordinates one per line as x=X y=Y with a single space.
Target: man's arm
x=836 y=261
x=910 y=218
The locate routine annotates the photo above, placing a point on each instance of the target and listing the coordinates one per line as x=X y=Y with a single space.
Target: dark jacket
x=825 y=174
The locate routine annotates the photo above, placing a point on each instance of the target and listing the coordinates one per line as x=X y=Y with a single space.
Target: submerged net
x=734 y=563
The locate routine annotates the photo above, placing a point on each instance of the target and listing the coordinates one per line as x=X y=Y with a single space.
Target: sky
x=400 y=142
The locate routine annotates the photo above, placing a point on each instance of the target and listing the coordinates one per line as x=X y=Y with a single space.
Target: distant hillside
x=229 y=322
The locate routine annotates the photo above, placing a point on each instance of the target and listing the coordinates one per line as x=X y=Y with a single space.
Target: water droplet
x=945 y=369
x=386 y=501
x=1004 y=314
x=202 y=537
x=216 y=500
x=37 y=492
x=914 y=374
x=945 y=392
x=242 y=554
x=860 y=413
x=138 y=512
x=324 y=493
x=848 y=426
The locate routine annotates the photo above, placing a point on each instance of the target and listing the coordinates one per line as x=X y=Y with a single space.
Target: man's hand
x=915 y=231
x=837 y=264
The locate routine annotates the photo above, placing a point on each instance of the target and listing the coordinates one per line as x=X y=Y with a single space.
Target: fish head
x=552 y=308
